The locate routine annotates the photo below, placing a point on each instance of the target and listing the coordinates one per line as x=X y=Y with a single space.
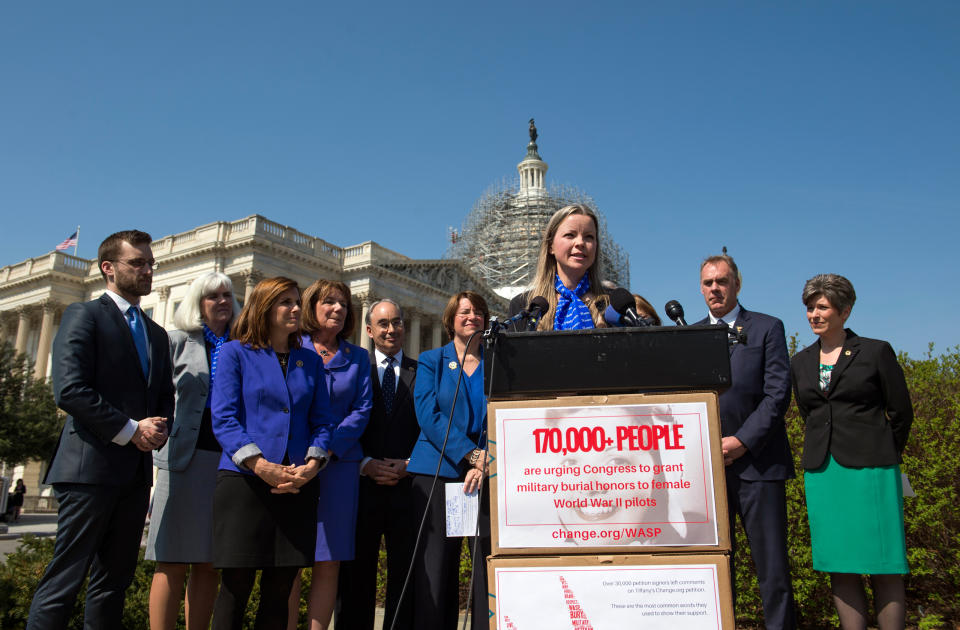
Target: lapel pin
x=299 y=363
x=847 y=353
x=452 y=365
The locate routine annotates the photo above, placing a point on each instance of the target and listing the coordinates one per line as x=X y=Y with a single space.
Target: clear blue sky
x=806 y=137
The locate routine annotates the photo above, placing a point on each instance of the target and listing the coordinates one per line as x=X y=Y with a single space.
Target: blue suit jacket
x=752 y=409
x=347 y=378
x=433 y=397
x=254 y=403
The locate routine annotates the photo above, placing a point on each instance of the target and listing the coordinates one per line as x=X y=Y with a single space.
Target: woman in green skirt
x=854 y=400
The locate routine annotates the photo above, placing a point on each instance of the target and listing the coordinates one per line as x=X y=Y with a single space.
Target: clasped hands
x=386 y=471
x=151 y=433
x=283 y=479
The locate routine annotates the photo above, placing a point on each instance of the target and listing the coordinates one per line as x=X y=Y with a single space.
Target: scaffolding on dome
x=500 y=238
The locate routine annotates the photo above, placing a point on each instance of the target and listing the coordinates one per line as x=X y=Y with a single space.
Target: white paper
x=462 y=510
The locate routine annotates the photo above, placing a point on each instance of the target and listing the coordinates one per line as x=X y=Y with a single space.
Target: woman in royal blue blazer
x=328 y=320
x=271 y=415
x=436 y=576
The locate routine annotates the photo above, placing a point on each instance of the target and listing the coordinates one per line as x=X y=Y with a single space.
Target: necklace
x=323 y=353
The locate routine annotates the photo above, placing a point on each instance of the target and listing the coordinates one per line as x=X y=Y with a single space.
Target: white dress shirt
x=126 y=432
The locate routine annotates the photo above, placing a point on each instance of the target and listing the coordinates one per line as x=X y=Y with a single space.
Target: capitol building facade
x=494 y=254
x=34 y=293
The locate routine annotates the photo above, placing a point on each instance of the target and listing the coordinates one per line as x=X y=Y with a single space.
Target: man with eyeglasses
x=385 y=503
x=112 y=375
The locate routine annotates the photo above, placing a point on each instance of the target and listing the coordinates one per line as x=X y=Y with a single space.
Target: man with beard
x=112 y=375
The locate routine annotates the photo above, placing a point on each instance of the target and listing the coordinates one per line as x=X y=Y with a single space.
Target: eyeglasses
x=140 y=263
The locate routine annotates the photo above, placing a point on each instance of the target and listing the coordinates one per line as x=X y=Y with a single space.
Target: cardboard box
x=635 y=473
x=649 y=591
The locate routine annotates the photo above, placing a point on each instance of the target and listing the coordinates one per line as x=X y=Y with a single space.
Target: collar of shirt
x=121 y=303
x=381 y=357
x=729 y=319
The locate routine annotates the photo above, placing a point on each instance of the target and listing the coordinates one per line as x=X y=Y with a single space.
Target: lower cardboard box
x=612 y=592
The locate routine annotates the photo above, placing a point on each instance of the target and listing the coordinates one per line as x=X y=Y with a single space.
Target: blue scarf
x=572 y=313
x=217 y=343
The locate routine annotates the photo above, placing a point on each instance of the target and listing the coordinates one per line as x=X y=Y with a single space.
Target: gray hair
x=188 y=316
x=369 y=320
x=837 y=289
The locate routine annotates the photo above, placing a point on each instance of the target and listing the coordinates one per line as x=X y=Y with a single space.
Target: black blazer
x=752 y=409
x=864 y=417
x=98 y=381
x=392 y=436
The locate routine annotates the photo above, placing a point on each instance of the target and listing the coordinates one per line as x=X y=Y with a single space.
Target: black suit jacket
x=752 y=409
x=392 y=436
x=98 y=381
x=864 y=417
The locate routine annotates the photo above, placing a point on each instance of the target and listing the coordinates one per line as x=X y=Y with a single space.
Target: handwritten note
x=462 y=510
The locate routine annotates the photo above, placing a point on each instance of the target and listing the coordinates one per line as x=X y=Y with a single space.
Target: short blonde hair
x=188 y=316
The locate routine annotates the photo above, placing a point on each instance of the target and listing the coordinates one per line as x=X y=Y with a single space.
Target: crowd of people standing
x=282 y=446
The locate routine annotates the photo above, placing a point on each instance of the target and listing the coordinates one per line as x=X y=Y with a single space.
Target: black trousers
x=388 y=513
x=437 y=564
x=762 y=506
x=98 y=529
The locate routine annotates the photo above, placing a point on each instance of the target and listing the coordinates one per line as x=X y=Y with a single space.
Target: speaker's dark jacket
x=864 y=416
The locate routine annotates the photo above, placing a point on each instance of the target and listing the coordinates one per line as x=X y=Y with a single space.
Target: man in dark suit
x=386 y=505
x=755 y=448
x=112 y=375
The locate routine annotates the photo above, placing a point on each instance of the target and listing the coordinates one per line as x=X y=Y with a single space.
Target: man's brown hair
x=110 y=247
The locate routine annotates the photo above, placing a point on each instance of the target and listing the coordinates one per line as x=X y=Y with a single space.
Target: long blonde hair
x=543 y=282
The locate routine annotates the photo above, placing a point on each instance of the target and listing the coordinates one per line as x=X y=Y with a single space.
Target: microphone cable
x=433 y=485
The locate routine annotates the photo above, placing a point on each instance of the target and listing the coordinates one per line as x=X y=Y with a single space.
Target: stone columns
x=250 y=280
x=436 y=335
x=23 y=330
x=364 y=340
x=46 y=339
x=412 y=348
x=161 y=315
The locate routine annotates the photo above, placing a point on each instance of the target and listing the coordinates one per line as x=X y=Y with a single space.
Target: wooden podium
x=608 y=496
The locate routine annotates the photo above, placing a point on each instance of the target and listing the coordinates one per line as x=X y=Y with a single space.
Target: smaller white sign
x=667 y=597
x=462 y=511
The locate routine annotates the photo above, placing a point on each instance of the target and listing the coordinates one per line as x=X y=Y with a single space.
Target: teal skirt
x=856 y=519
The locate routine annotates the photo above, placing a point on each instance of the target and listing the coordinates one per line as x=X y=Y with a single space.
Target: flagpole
x=77 y=244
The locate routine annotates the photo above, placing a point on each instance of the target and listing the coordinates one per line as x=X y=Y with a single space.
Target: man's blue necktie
x=139 y=338
x=389 y=385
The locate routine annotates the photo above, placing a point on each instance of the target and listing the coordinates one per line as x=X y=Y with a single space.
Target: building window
x=149 y=312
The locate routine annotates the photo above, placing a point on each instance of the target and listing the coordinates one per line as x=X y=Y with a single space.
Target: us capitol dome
x=500 y=238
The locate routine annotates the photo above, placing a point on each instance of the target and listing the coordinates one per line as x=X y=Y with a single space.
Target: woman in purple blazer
x=328 y=319
x=270 y=412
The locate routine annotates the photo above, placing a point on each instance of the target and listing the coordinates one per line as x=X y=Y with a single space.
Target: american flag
x=68 y=243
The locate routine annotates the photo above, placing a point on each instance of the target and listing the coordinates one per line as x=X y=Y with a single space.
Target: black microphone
x=622 y=302
x=538 y=306
x=675 y=312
